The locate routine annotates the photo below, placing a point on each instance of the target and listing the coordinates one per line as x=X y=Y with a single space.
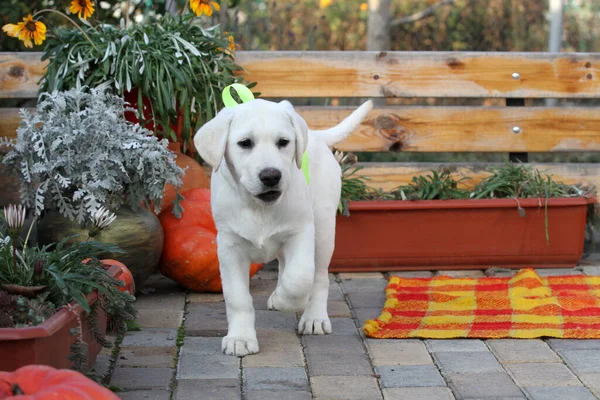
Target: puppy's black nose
x=270 y=176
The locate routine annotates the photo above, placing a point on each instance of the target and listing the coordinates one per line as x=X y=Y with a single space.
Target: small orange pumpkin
x=126 y=276
x=41 y=382
x=189 y=254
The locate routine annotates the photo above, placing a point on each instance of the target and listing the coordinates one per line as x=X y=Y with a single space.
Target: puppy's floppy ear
x=211 y=139
x=300 y=128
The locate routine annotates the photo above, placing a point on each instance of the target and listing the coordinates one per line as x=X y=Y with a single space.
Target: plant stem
x=127 y=22
x=70 y=20
x=14 y=246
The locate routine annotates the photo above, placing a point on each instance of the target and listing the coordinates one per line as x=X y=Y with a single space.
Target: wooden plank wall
x=357 y=74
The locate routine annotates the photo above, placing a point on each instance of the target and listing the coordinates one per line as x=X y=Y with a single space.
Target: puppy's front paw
x=279 y=301
x=314 y=324
x=239 y=346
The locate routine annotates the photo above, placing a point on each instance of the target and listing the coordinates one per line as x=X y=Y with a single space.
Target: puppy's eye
x=245 y=144
x=281 y=143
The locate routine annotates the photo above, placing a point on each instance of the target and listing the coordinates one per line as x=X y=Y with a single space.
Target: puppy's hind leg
x=315 y=320
x=296 y=272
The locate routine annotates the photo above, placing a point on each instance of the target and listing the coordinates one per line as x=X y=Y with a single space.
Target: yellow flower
x=231 y=43
x=85 y=8
x=324 y=4
x=364 y=6
x=200 y=7
x=27 y=30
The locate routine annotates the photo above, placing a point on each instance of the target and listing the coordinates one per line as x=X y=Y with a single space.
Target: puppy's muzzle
x=270 y=178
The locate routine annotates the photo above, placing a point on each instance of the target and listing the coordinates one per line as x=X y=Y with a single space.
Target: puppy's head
x=260 y=142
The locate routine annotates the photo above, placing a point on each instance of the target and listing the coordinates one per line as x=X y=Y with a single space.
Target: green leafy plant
x=438 y=185
x=77 y=153
x=522 y=181
x=173 y=65
x=42 y=280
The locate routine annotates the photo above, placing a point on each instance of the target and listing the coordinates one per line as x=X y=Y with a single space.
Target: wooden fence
x=511 y=125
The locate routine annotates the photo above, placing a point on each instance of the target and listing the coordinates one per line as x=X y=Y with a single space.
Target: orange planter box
x=459 y=234
x=50 y=342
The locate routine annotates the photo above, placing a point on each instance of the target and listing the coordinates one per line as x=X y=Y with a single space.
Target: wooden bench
x=500 y=95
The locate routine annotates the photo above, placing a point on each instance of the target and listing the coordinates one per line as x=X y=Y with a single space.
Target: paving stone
x=206 y=319
x=150 y=337
x=360 y=275
x=363 y=285
x=338 y=308
x=559 y=393
x=462 y=273
x=591 y=270
x=465 y=362
x=101 y=366
x=343 y=326
x=398 y=352
x=266 y=319
x=373 y=299
x=262 y=286
x=418 y=393
x=268 y=378
x=345 y=388
x=158 y=284
x=538 y=374
x=456 y=345
x=146 y=357
x=142 y=378
x=174 y=301
x=201 y=346
x=194 y=366
x=411 y=274
x=363 y=314
x=268 y=274
x=582 y=361
x=557 y=271
x=500 y=272
x=277 y=395
x=148 y=318
x=335 y=293
x=332 y=355
x=205 y=297
x=574 y=344
x=495 y=385
x=522 y=351
x=208 y=389
x=278 y=348
x=145 y=395
x=592 y=381
x=260 y=301
x=409 y=376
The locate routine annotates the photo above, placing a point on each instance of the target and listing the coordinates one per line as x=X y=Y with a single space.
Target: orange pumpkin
x=189 y=254
x=126 y=276
x=195 y=176
x=41 y=382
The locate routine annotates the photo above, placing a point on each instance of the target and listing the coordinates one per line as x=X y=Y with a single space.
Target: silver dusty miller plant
x=77 y=153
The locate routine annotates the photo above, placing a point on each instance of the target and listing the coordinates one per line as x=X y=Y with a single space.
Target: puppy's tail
x=341 y=131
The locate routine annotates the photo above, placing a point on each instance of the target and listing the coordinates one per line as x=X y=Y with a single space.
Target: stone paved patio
x=176 y=354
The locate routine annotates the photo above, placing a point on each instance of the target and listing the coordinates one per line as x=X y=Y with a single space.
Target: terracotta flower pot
x=50 y=342
x=459 y=234
x=138 y=233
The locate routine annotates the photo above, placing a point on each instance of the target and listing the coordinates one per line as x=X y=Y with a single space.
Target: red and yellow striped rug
x=523 y=306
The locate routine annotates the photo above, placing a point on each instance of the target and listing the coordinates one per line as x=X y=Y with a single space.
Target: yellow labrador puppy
x=264 y=209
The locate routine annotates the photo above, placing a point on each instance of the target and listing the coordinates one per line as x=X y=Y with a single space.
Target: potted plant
x=170 y=68
x=77 y=154
x=56 y=300
x=516 y=216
